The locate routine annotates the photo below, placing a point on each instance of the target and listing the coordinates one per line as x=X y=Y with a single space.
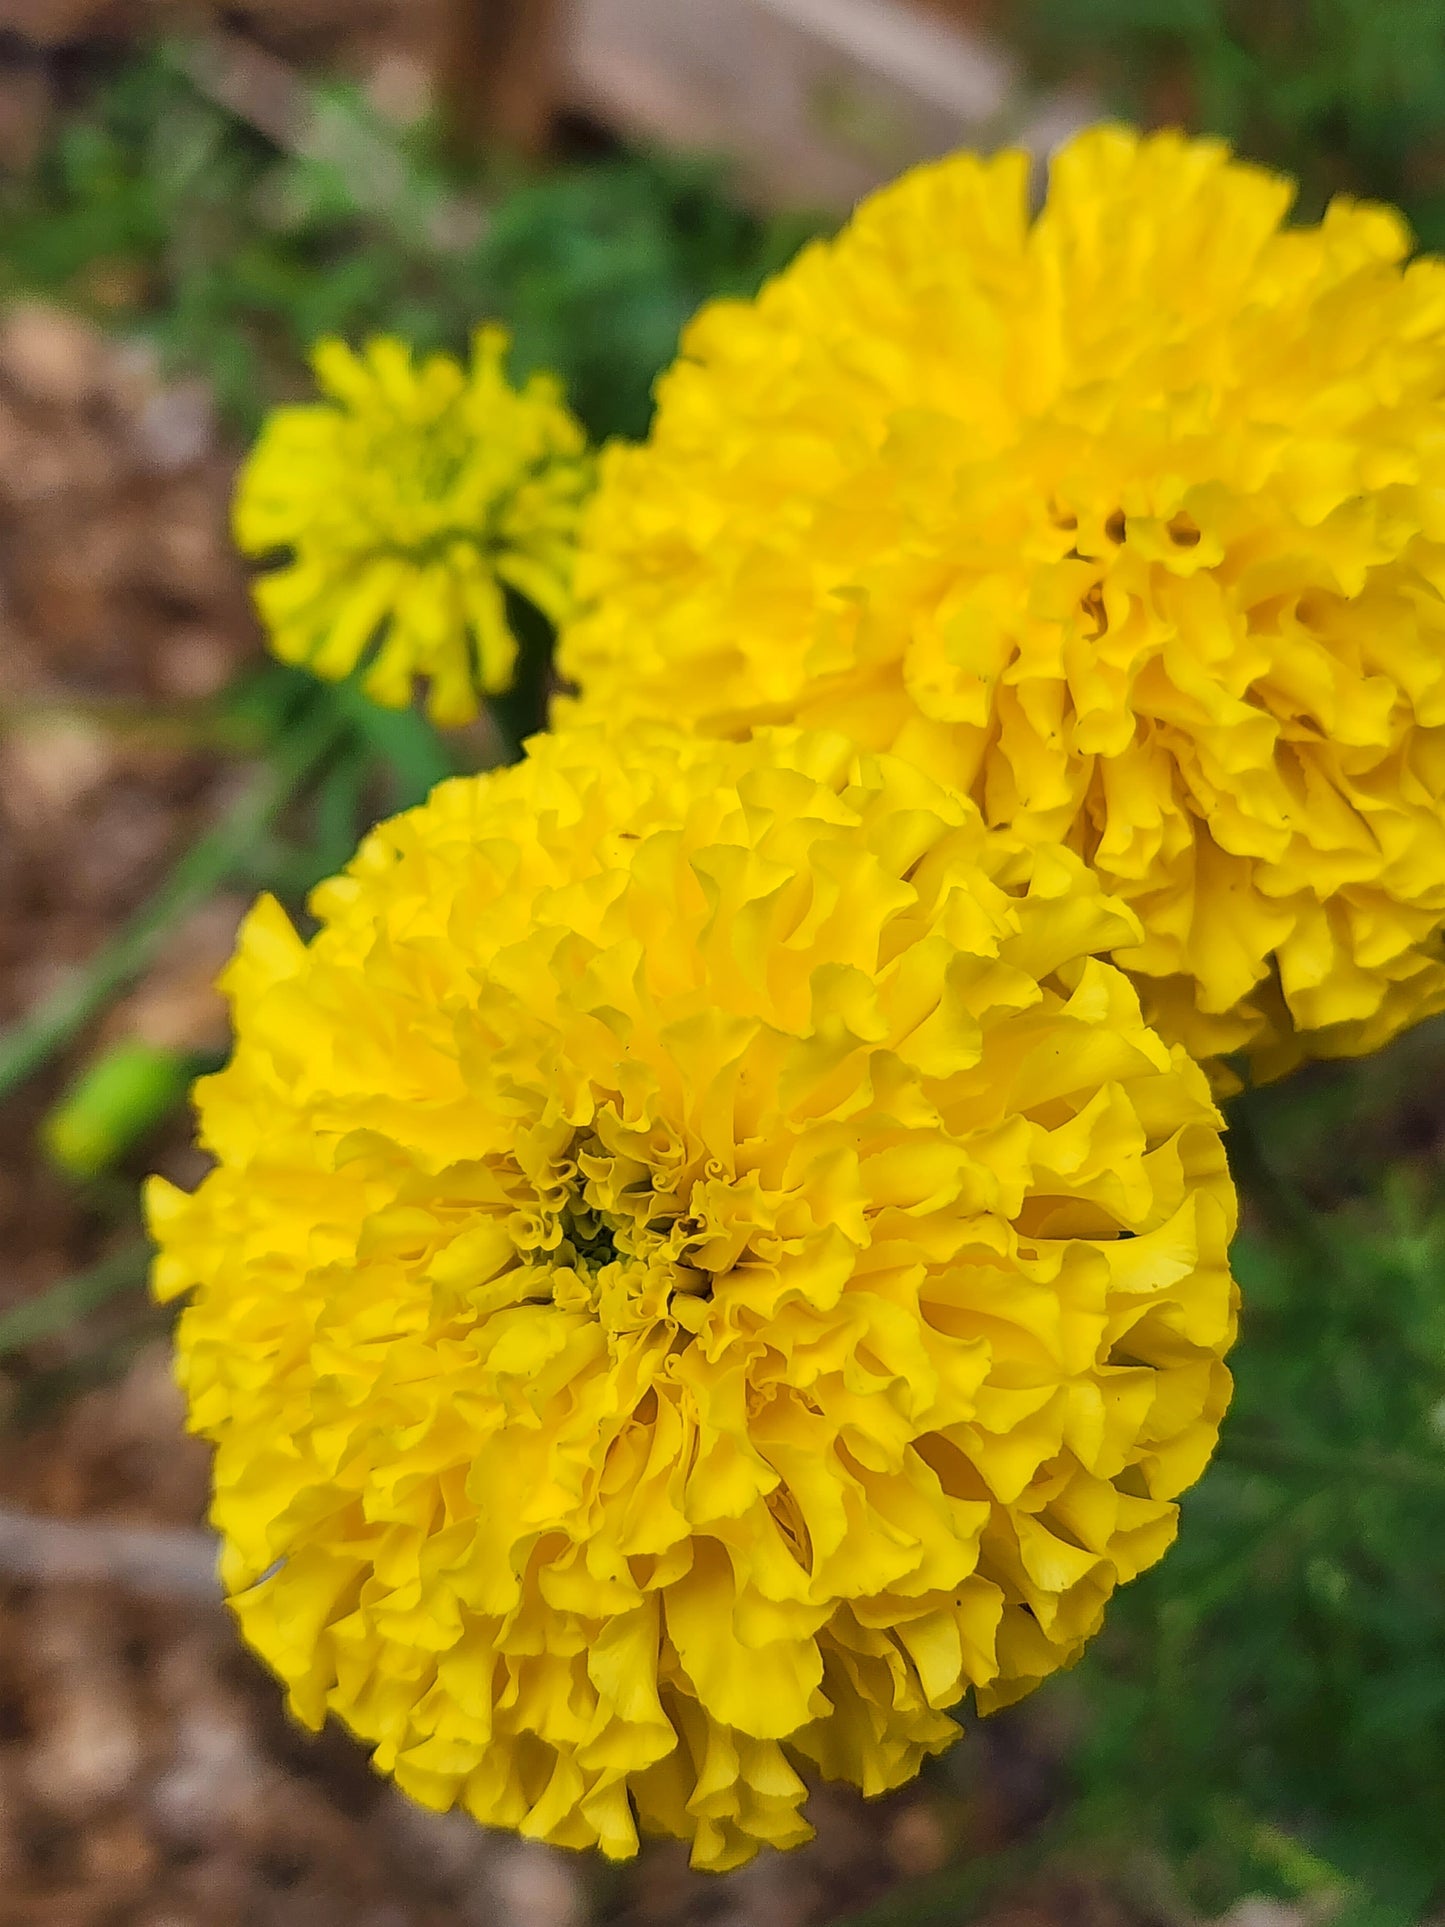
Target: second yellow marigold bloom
x=405 y=505
x=703 y=1268
x=1130 y=520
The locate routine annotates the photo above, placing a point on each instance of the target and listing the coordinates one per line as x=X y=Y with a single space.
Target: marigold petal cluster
x=1127 y=519
x=703 y=1267
x=407 y=505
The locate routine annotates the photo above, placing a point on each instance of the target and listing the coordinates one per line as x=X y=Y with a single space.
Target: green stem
x=409 y=746
x=1330 y=1461
x=67 y=1302
x=204 y=867
x=191 y=725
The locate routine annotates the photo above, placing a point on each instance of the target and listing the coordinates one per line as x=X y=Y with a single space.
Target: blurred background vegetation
x=155 y=206
x=1348 y=95
x=1263 y=1723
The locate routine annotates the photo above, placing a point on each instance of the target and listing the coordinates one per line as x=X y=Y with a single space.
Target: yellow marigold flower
x=1129 y=519
x=410 y=501
x=703 y=1267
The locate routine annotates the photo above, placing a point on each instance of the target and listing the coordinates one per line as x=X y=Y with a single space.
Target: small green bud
x=112 y=1104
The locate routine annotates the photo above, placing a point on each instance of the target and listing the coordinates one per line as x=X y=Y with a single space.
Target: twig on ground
x=154 y=1562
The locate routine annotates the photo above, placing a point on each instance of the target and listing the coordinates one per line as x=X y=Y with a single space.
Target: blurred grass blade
x=201 y=871
x=68 y=1302
x=1327 y=1463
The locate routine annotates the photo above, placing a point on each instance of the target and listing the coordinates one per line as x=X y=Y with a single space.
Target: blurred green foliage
x=1347 y=94
x=597 y=268
x=1268 y=1704
x=155 y=208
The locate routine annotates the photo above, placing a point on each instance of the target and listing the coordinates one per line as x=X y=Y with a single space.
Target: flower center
x=606 y=1228
x=588 y=1240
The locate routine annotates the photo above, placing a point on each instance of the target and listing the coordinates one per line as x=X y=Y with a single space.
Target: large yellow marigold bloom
x=406 y=504
x=703 y=1267
x=1130 y=520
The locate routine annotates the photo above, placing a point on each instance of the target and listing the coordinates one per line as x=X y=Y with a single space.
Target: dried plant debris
x=330 y=27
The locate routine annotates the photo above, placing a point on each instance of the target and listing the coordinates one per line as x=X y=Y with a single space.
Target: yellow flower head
x=703 y=1267
x=408 y=503
x=1129 y=519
